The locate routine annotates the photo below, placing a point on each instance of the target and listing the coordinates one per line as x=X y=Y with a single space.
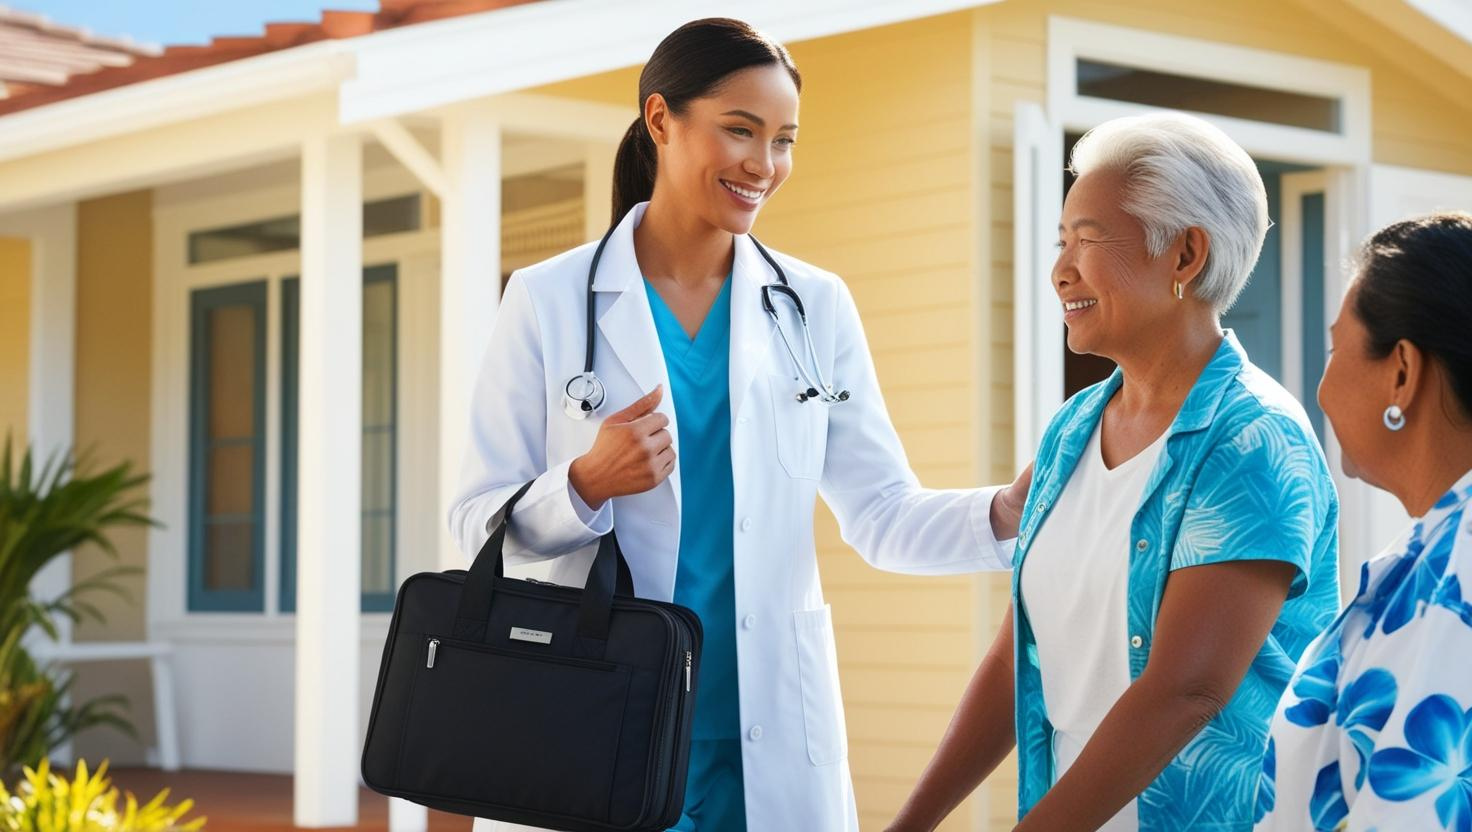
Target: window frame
x=371 y=602
x=1070 y=40
x=254 y=293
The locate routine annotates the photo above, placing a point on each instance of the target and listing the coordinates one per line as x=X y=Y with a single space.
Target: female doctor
x=723 y=388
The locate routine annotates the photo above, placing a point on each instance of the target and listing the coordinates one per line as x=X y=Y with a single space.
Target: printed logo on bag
x=523 y=634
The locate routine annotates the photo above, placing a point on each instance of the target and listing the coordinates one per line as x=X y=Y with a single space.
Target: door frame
x=1294 y=187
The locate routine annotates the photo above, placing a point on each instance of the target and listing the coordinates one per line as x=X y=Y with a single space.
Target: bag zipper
x=589 y=664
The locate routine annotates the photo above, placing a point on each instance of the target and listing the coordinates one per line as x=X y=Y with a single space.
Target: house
x=265 y=269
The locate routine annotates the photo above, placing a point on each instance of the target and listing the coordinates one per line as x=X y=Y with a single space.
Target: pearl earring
x=1394 y=417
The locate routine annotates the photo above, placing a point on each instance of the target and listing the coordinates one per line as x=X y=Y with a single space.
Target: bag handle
x=608 y=576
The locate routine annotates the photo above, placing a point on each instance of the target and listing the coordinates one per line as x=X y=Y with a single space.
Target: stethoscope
x=583 y=394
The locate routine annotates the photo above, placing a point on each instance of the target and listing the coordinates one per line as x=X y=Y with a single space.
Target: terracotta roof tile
x=128 y=63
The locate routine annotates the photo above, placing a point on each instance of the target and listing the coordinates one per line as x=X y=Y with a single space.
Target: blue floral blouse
x=1241 y=478
x=1375 y=731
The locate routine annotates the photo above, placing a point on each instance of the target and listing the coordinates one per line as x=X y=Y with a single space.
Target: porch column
x=51 y=369
x=329 y=482
x=470 y=286
x=52 y=364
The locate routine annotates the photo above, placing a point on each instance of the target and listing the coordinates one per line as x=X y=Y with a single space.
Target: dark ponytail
x=1415 y=283
x=690 y=63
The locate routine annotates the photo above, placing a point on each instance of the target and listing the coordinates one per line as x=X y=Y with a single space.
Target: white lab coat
x=783 y=454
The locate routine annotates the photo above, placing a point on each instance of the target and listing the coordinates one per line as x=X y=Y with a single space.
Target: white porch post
x=50 y=411
x=470 y=285
x=329 y=482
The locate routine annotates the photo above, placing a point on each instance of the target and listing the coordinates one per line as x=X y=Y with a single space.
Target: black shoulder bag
x=533 y=703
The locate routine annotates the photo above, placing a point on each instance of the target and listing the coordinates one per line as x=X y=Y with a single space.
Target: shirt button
x=746 y=524
x=748 y=622
x=1142 y=545
x=755 y=733
x=1137 y=642
x=741 y=420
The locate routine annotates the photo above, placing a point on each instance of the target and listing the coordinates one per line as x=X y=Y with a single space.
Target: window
x=380 y=437
x=1275 y=105
x=384 y=216
x=1101 y=79
x=227 y=448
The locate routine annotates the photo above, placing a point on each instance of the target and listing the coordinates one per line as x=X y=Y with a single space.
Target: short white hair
x=1182 y=172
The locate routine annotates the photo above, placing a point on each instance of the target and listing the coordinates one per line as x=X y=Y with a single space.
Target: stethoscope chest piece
x=582 y=396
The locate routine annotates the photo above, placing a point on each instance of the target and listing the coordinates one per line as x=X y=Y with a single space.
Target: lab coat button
x=755 y=733
x=741 y=420
x=748 y=622
x=746 y=524
x=1137 y=642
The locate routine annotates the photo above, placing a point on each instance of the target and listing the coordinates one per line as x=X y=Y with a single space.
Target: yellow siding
x=114 y=354
x=882 y=194
x=15 y=335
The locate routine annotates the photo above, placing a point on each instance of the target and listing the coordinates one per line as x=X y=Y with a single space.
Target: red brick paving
x=236 y=802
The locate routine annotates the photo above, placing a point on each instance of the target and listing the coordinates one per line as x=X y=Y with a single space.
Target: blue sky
x=167 y=22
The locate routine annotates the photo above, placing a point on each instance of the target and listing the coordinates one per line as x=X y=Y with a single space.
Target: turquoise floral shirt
x=1375 y=732
x=1241 y=478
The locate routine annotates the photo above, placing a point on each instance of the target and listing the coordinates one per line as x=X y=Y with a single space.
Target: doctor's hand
x=632 y=453
x=1006 y=513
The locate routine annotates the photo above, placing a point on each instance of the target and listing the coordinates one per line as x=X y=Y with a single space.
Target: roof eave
x=288 y=73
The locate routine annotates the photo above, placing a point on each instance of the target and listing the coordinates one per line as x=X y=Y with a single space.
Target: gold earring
x=1180 y=291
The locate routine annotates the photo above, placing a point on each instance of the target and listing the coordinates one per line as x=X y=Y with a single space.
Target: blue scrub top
x=705 y=580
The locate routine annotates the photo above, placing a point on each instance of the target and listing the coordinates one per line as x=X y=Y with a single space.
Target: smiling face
x=1111 y=288
x=729 y=152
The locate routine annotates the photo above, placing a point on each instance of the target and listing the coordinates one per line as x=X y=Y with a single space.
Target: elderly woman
x=1178 y=546
x=1376 y=728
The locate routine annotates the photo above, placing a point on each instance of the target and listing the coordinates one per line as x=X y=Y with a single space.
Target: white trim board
x=235 y=85
x=1070 y=39
x=463 y=58
x=426 y=65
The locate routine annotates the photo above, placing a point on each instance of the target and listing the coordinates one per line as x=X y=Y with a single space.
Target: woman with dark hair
x=727 y=387
x=1375 y=730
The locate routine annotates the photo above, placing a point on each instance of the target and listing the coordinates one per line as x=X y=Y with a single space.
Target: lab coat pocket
x=822 y=705
x=801 y=428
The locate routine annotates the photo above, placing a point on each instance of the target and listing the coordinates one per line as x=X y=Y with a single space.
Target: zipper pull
x=687 y=671
x=434 y=645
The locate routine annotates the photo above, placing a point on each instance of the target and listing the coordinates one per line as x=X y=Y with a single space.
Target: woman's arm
x=567 y=506
x=882 y=510
x=1213 y=621
x=980 y=735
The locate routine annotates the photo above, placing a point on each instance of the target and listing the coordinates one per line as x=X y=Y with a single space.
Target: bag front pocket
x=506 y=728
x=822 y=706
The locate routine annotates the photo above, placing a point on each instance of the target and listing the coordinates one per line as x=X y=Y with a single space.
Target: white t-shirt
x=1075 y=589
